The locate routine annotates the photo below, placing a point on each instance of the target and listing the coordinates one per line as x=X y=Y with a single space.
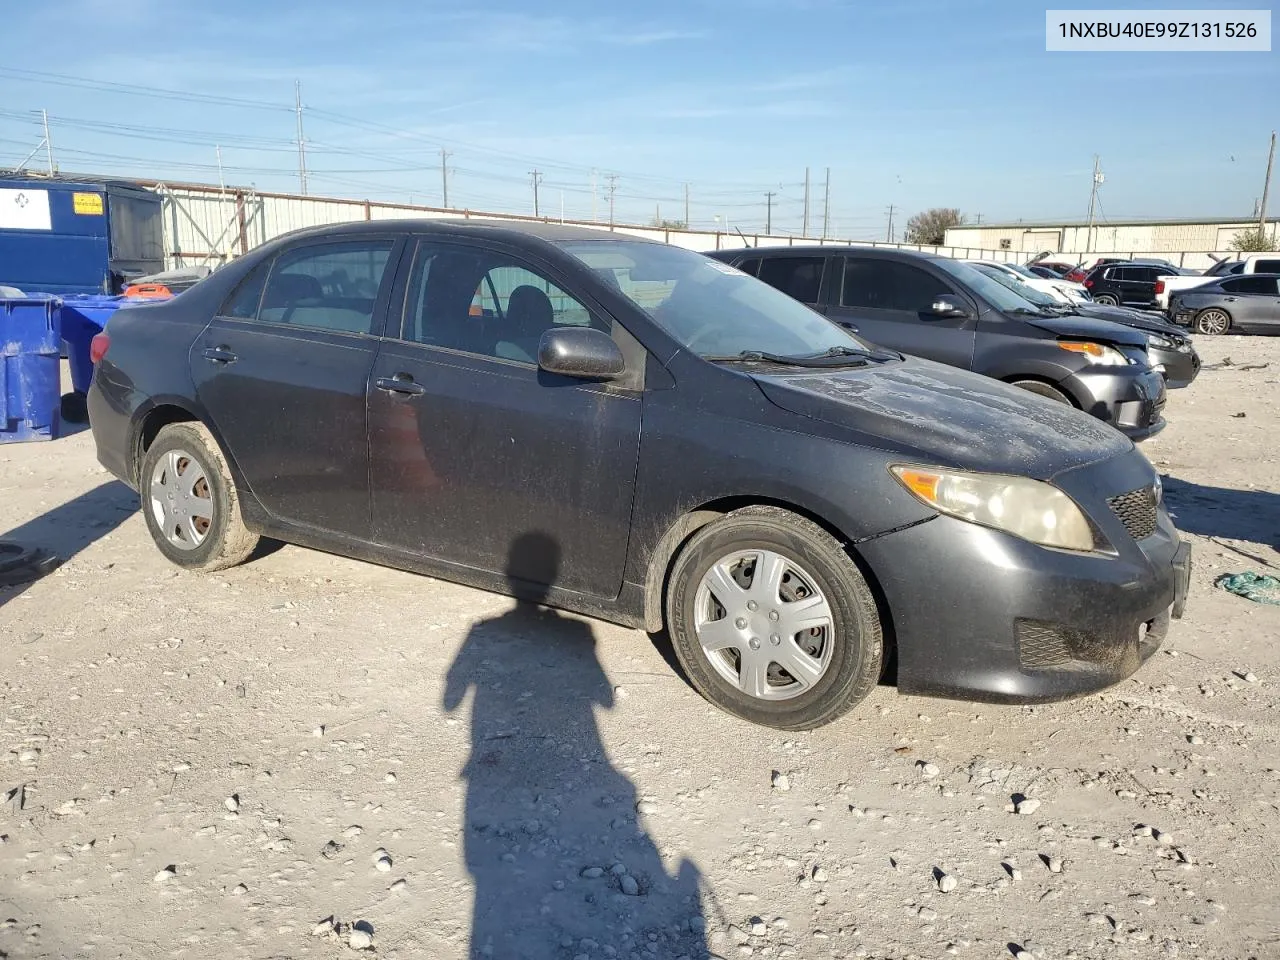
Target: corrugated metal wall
x=1189 y=244
x=205 y=225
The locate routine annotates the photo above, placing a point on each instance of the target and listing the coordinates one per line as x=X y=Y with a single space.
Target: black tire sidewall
x=189 y=441
x=1045 y=390
x=855 y=623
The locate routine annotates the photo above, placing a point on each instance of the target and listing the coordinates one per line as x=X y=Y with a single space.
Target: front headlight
x=1156 y=340
x=1099 y=354
x=1027 y=508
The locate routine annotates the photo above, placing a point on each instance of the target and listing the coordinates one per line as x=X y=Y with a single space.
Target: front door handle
x=401 y=383
x=220 y=354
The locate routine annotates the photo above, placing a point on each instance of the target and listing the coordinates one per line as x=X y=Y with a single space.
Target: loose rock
x=232 y=803
x=168 y=873
x=360 y=940
x=592 y=873
x=629 y=885
x=947 y=883
x=1026 y=806
x=781 y=781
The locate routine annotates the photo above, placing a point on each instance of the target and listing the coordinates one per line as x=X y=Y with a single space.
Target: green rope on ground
x=1257 y=587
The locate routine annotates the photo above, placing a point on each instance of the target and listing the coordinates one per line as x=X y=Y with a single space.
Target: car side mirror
x=949 y=305
x=580 y=352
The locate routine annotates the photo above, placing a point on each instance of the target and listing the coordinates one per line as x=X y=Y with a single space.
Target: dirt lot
x=212 y=766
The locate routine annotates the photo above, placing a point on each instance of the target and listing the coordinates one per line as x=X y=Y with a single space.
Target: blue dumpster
x=83 y=318
x=30 y=369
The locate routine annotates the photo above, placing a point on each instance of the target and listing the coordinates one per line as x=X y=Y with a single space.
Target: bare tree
x=930 y=226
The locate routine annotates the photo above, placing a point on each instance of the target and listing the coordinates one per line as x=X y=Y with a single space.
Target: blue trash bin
x=30 y=369
x=83 y=318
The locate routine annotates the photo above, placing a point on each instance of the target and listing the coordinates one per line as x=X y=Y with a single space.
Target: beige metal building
x=1189 y=242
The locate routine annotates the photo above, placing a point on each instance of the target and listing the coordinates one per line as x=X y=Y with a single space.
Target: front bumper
x=979 y=614
x=1179 y=368
x=1130 y=399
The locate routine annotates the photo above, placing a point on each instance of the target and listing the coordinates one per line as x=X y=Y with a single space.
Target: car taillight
x=1087 y=283
x=1159 y=286
x=98 y=348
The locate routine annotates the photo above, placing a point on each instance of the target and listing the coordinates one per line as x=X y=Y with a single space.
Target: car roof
x=814 y=249
x=461 y=226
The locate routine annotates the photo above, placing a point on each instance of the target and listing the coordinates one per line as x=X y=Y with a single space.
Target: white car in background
x=1064 y=291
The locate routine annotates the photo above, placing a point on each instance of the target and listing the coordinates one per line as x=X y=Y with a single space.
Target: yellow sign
x=88 y=204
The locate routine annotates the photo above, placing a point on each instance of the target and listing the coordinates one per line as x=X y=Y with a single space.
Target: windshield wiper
x=847 y=356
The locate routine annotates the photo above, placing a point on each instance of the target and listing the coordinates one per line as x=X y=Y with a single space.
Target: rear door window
x=1266 y=266
x=798 y=277
x=331 y=286
x=1265 y=286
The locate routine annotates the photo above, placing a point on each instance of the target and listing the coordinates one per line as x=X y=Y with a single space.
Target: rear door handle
x=400 y=383
x=220 y=354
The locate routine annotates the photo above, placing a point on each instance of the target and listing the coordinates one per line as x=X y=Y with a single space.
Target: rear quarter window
x=244 y=299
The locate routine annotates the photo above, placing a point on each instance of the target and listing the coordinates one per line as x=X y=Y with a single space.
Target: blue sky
x=915 y=103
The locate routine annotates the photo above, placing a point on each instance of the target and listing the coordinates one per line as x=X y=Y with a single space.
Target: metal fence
x=210 y=225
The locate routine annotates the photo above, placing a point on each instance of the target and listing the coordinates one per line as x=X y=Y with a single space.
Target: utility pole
x=444 y=177
x=686 y=206
x=804 y=229
x=537 y=177
x=594 y=215
x=302 y=149
x=1266 y=186
x=49 y=144
x=826 y=205
x=888 y=235
x=562 y=206
x=1093 y=201
x=613 y=186
x=768 y=216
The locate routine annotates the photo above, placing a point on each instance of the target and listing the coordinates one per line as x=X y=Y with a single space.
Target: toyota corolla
x=693 y=450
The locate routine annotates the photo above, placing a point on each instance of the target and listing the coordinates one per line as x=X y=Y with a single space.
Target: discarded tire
x=19 y=564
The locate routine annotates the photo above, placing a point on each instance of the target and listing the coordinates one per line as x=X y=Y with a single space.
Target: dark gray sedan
x=1249 y=304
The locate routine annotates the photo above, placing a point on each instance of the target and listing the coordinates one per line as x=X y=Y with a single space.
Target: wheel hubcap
x=181 y=501
x=764 y=624
x=1213 y=322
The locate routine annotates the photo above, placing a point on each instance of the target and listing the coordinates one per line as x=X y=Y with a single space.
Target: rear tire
x=1043 y=390
x=1107 y=300
x=1213 y=322
x=190 y=502
x=738 y=656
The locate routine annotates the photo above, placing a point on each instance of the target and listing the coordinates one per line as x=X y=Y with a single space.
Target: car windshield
x=1024 y=290
x=1021 y=270
x=712 y=309
x=996 y=294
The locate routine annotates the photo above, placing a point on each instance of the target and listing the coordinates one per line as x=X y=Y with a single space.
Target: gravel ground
x=306 y=756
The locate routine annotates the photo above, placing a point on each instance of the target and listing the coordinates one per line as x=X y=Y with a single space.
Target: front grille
x=1137 y=511
x=1045 y=646
x=1040 y=646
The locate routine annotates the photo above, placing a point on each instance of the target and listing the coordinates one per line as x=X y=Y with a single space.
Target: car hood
x=1086 y=328
x=948 y=417
x=1130 y=318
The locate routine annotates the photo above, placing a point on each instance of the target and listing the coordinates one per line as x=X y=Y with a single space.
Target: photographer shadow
x=552 y=838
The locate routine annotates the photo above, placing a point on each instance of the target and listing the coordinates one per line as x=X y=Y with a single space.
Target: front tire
x=1043 y=390
x=190 y=500
x=1212 y=322
x=772 y=621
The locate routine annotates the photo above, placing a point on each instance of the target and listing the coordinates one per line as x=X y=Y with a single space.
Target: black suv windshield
x=996 y=294
x=713 y=309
